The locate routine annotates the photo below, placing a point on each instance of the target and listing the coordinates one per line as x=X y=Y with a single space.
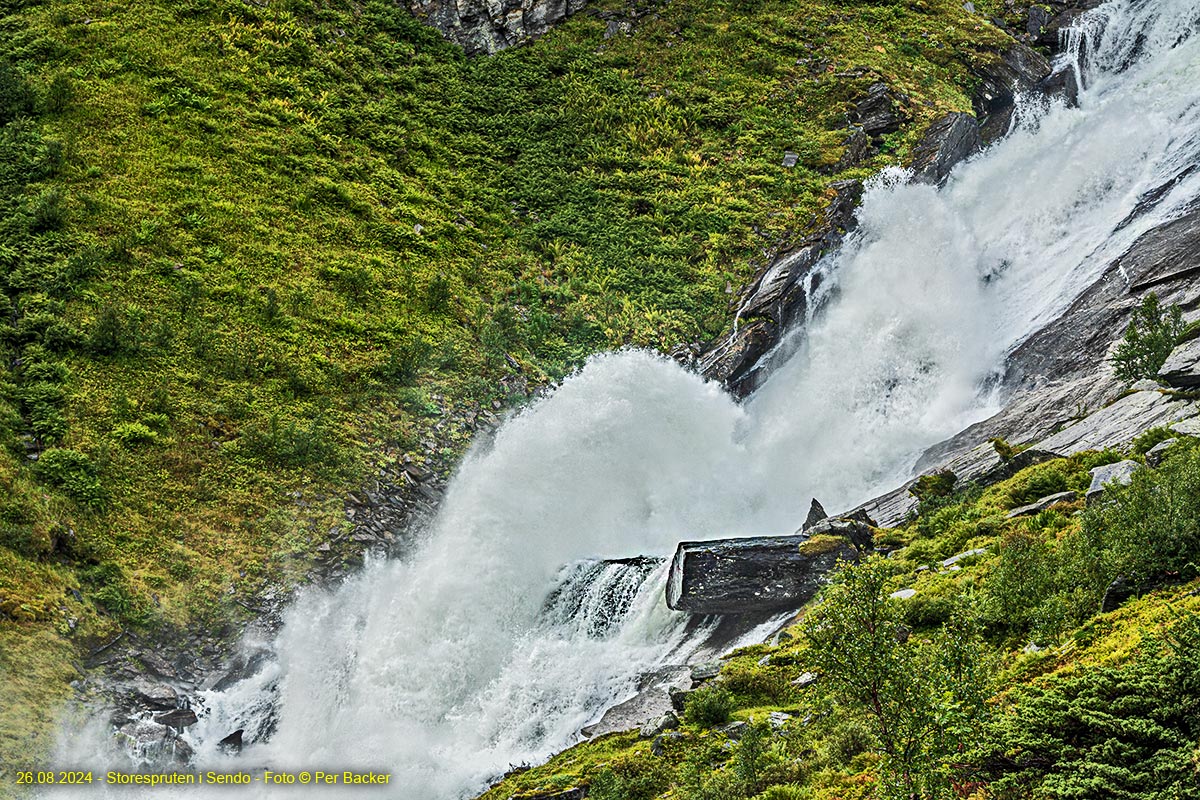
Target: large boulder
x=762 y=573
x=1182 y=368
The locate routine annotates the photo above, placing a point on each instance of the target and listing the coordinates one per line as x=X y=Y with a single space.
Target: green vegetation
x=999 y=678
x=1152 y=334
x=251 y=253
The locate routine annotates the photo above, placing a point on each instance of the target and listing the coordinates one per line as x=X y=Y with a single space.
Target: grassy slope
x=832 y=754
x=250 y=248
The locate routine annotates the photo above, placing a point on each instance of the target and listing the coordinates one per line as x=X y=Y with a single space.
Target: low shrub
x=709 y=706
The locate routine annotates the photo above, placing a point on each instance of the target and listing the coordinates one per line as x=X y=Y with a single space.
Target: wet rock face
x=483 y=27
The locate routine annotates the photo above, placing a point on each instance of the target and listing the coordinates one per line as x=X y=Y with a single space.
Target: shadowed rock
x=946 y=142
x=763 y=573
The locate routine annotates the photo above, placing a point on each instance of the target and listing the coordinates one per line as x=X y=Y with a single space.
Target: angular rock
x=487 y=26
x=1109 y=474
x=945 y=143
x=1154 y=456
x=666 y=722
x=903 y=594
x=1116 y=594
x=735 y=576
x=178 y=718
x=877 y=113
x=1188 y=427
x=816 y=513
x=233 y=742
x=705 y=672
x=805 y=680
x=1182 y=367
x=1041 y=505
x=155 y=695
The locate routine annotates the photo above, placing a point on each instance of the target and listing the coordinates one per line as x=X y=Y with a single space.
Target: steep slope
x=255 y=253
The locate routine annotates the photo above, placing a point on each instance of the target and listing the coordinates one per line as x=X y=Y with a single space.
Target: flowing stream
x=502 y=634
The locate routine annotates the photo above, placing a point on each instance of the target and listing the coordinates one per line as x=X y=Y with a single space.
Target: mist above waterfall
x=446 y=668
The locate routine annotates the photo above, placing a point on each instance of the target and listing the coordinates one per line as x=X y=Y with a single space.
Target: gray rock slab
x=1042 y=504
x=1102 y=477
x=1119 y=422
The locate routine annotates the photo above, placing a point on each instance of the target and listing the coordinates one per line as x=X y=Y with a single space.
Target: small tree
x=1152 y=334
x=922 y=698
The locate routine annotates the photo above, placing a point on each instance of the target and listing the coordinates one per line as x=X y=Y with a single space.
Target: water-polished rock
x=762 y=573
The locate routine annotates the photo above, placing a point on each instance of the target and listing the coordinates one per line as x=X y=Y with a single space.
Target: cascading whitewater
x=479 y=651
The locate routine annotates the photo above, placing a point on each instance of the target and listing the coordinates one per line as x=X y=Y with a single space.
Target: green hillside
x=251 y=251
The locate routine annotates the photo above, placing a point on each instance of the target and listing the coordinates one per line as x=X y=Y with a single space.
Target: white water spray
x=446 y=668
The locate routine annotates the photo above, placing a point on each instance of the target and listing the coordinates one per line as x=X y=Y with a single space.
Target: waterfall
x=503 y=633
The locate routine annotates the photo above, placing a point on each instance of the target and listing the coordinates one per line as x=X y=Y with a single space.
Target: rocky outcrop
x=1017 y=70
x=879 y=112
x=778 y=295
x=488 y=26
x=1182 y=368
x=949 y=140
x=763 y=573
x=1044 y=503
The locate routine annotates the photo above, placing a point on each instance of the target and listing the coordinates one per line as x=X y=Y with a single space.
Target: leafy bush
x=924 y=699
x=291 y=443
x=1147 y=441
x=1152 y=334
x=630 y=779
x=1151 y=526
x=132 y=434
x=73 y=472
x=709 y=706
x=938 y=484
x=107 y=336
